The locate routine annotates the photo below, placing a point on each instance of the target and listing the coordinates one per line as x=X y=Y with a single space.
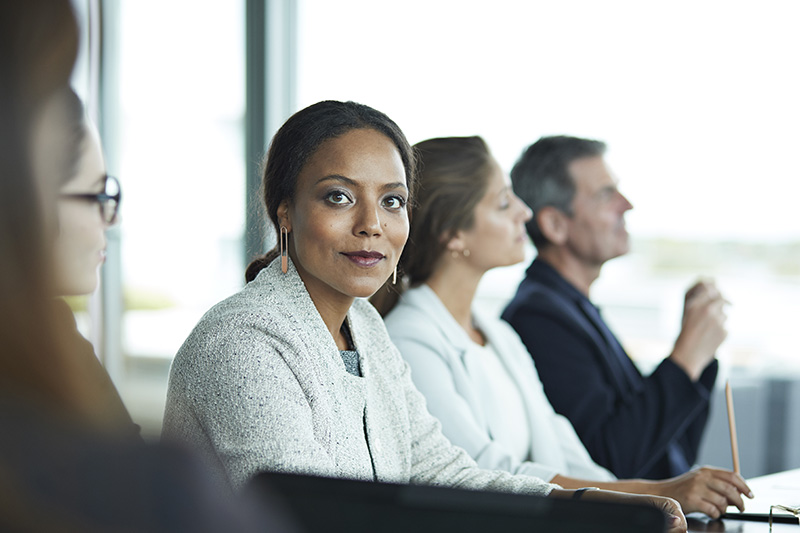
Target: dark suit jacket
x=636 y=427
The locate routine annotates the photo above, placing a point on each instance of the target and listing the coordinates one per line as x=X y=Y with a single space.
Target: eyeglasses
x=791 y=510
x=108 y=200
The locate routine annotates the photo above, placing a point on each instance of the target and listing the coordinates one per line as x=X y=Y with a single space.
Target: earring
x=394 y=276
x=465 y=252
x=284 y=243
x=454 y=253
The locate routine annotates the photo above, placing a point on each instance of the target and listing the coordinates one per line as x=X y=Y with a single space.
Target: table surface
x=741 y=526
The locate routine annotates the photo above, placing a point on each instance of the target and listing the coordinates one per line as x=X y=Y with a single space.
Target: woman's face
x=348 y=221
x=497 y=237
x=81 y=242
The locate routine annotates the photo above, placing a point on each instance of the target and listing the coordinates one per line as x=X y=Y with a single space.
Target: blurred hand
x=702 y=328
x=707 y=490
x=676 y=521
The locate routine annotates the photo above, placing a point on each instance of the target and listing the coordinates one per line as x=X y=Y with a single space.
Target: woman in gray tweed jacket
x=296 y=372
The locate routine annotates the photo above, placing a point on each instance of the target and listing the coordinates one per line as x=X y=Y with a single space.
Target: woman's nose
x=369 y=221
x=526 y=213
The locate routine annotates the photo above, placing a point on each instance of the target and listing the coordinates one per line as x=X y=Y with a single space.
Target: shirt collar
x=543 y=272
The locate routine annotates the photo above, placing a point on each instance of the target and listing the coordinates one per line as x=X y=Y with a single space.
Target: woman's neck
x=455 y=284
x=331 y=305
x=334 y=313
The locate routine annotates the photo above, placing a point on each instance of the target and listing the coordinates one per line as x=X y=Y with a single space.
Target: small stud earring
x=465 y=252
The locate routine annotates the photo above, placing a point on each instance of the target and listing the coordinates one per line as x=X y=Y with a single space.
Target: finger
x=721 y=500
x=716 y=310
x=706 y=292
x=725 y=494
x=726 y=476
x=741 y=485
x=676 y=524
x=701 y=299
x=701 y=308
x=695 y=291
x=711 y=509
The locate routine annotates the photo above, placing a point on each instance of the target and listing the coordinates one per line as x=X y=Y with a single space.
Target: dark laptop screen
x=324 y=504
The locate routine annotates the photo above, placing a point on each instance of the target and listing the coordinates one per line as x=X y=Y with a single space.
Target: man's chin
x=622 y=250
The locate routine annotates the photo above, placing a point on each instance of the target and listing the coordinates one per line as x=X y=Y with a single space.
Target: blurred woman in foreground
x=67 y=459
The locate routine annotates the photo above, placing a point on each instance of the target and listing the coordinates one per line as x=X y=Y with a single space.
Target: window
x=697 y=102
x=174 y=104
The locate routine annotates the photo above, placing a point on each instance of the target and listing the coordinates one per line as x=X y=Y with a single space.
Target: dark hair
x=541 y=177
x=38 y=47
x=452 y=177
x=300 y=137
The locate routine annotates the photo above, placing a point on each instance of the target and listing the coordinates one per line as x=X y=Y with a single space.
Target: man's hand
x=707 y=490
x=702 y=329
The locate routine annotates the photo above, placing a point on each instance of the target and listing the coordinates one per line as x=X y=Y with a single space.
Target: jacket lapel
x=526 y=379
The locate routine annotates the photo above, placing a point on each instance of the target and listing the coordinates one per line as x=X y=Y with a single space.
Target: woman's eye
x=337 y=198
x=395 y=202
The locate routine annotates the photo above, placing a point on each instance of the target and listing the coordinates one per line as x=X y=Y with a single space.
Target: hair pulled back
x=300 y=137
x=452 y=177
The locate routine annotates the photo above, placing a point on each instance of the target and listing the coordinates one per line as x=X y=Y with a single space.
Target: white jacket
x=443 y=365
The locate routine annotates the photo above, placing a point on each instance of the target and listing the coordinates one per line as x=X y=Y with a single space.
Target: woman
x=87 y=205
x=295 y=372
x=472 y=368
x=67 y=463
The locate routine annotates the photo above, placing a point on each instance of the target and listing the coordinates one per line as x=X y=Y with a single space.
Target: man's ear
x=283 y=215
x=554 y=224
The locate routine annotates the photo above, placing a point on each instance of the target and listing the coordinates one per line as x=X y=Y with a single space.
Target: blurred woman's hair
x=38 y=48
x=452 y=177
x=300 y=137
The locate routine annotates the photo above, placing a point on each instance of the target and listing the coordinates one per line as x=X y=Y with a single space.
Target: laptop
x=326 y=504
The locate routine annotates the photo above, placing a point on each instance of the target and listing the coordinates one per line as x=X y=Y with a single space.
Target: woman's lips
x=363 y=258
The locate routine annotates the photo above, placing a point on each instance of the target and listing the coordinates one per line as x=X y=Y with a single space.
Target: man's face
x=597 y=228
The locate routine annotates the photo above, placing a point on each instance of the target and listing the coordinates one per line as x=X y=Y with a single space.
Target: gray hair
x=541 y=177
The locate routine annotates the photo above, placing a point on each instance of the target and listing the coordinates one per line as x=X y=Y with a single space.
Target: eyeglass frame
x=102 y=200
x=792 y=510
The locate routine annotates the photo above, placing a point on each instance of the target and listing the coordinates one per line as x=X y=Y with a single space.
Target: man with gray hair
x=636 y=426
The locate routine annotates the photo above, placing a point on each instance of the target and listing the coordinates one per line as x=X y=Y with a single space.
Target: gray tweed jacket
x=260 y=385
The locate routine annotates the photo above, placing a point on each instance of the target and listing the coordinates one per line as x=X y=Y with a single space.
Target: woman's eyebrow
x=354 y=183
x=395 y=185
x=505 y=190
x=336 y=177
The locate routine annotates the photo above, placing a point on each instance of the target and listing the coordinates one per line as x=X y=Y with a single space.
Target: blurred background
x=697 y=101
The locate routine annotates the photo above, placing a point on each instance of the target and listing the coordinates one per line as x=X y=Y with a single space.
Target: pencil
x=732 y=427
